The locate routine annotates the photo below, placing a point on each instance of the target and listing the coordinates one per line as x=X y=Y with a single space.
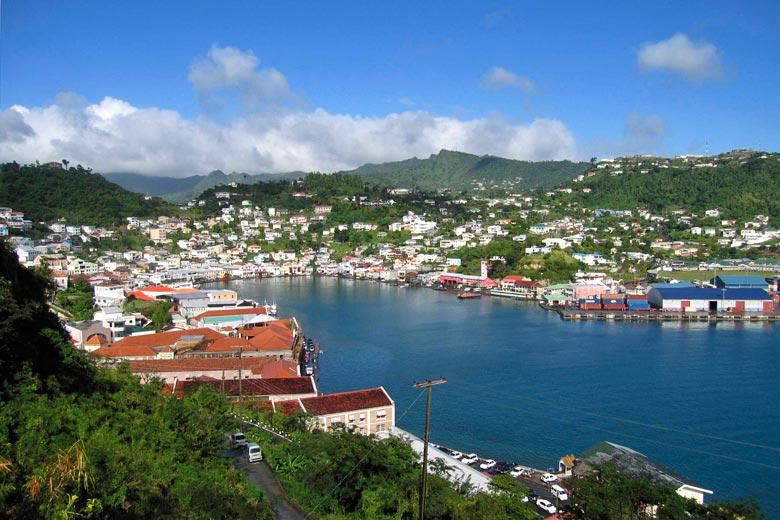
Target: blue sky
x=182 y=88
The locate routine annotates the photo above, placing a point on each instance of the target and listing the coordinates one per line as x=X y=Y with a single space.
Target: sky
x=179 y=88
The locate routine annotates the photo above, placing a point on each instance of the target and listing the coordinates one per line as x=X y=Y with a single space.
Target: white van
x=253 y=453
x=559 y=492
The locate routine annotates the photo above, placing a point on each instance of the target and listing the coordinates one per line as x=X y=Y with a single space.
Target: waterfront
x=524 y=385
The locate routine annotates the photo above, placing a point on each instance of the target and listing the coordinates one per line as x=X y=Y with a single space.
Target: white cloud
x=499 y=78
x=115 y=136
x=228 y=68
x=695 y=62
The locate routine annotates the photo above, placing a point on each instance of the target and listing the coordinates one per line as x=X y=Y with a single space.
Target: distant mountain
x=188 y=188
x=457 y=171
x=460 y=171
x=47 y=193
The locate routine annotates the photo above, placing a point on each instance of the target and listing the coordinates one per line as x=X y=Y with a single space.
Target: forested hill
x=81 y=442
x=47 y=193
x=188 y=188
x=739 y=189
x=454 y=170
x=461 y=171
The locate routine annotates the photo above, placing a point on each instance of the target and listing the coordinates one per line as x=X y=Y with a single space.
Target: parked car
x=237 y=439
x=456 y=454
x=548 y=478
x=559 y=492
x=489 y=463
x=519 y=471
x=546 y=505
x=471 y=458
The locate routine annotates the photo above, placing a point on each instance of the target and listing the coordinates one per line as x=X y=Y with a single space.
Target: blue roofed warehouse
x=710 y=300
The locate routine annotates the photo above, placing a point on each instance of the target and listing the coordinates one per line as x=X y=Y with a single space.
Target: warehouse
x=709 y=300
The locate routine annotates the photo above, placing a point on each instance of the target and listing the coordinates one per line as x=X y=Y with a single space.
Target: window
x=362 y=417
x=335 y=420
x=351 y=418
x=380 y=427
x=381 y=415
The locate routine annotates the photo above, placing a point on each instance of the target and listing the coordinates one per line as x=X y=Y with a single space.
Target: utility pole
x=240 y=358
x=424 y=481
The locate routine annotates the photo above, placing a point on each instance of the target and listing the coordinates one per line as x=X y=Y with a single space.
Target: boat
x=464 y=295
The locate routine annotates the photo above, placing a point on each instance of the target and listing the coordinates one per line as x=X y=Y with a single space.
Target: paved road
x=261 y=475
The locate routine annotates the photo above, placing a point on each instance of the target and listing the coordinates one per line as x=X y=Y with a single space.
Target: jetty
x=573 y=314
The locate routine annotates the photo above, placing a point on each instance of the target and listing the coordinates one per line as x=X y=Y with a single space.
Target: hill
x=457 y=171
x=47 y=193
x=460 y=171
x=188 y=188
x=738 y=188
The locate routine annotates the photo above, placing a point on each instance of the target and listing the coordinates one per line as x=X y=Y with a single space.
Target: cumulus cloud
x=13 y=128
x=113 y=136
x=228 y=68
x=499 y=78
x=695 y=62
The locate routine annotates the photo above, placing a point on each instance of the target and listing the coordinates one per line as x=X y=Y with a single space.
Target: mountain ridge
x=459 y=171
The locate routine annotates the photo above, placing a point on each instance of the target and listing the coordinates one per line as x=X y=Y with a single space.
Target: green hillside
x=739 y=189
x=459 y=171
x=77 y=195
x=183 y=189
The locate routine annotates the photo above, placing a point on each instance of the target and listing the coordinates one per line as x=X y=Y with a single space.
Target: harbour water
x=525 y=386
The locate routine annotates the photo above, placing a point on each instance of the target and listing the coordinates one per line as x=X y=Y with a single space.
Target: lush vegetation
x=739 y=191
x=460 y=171
x=80 y=442
x=346 y=475
x=456 y=171
x=76 y=194
x=610 y=494
x=182 y=189
x=78 y=299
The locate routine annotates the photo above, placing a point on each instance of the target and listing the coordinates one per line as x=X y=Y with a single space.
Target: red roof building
x=369 y=411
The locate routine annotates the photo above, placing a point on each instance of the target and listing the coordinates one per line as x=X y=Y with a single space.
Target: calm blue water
x=525 y=386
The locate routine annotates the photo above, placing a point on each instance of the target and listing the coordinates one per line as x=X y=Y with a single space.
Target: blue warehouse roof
x=695 y=293
x=734 y=280
x=678 y=285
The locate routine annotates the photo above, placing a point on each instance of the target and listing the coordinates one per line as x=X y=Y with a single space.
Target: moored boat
x=463 y=295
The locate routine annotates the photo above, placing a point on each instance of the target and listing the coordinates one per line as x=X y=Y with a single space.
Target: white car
x=471 y=458
x=489 y=463
x=546 y=505
x=548 y=477
x=456 y=454
x=558 y=492
x=519 y=471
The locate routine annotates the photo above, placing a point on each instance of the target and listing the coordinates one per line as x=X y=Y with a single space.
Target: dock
x=570 y=314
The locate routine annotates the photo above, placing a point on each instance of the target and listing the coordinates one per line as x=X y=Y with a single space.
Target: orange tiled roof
x=227 y=344
x=280 y=368
x=166 y=338
x=253 y=387
x=250 y=364
x=347 y=401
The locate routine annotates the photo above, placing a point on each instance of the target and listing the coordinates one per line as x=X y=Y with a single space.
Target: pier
x=570 y=314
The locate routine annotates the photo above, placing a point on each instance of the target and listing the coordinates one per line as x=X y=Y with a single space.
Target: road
x=261 y=475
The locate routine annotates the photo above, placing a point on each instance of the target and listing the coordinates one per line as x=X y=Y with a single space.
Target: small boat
x=463 y=295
